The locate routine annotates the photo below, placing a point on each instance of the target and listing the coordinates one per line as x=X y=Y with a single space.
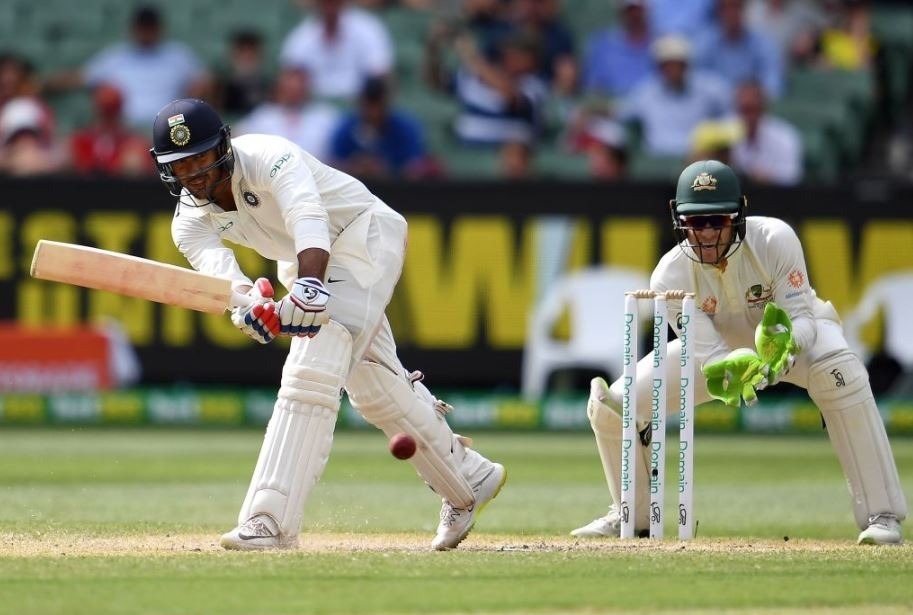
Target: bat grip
x=239 y=300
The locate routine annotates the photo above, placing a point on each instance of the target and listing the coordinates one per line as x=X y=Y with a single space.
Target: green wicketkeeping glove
x=736 y=377
x=773 y=339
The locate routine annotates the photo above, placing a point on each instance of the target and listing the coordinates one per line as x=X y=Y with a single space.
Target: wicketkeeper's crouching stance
x=759 y=322
x=340 y=252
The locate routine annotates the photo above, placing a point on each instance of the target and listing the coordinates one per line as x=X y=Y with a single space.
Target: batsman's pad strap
x=300 y=432
x=395 y=404
x=839 y=386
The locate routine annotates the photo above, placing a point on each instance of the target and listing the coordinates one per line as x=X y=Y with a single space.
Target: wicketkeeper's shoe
x=259 y=533
x=456 y=523
x=882 y=530
x=606 y=527
x=603 y=527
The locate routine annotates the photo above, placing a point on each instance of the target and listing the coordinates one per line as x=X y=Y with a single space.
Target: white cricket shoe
x=882 y=530
x=456 y=523
x=606 y=527
x=603 y=527
x=259 y=533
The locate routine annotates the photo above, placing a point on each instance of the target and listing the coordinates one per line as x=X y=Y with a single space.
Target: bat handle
x=239 y=300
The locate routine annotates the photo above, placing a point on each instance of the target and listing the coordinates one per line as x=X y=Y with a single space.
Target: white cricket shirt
x=730 y=300
x=287 y=201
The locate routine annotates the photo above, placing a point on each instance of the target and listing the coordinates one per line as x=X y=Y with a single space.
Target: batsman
x=339 y=251
x=758 y=322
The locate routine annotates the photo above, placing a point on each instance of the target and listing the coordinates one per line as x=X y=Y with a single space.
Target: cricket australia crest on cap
x=176 y=119
x=180 y=134
x=250 y=198
x=704 y=181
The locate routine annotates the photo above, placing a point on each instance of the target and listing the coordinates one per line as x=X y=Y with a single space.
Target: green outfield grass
x=127 y=521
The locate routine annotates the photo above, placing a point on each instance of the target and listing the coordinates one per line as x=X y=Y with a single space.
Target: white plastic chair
x=893 y=295
x=595 y=298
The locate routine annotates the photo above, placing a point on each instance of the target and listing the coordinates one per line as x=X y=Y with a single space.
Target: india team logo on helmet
x=180 y=135
x=704 y=181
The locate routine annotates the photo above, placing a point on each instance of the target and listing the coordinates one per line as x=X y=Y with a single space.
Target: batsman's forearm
x=312 y=263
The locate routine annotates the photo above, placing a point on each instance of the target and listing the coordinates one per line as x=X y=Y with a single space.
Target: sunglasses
x=712 y=220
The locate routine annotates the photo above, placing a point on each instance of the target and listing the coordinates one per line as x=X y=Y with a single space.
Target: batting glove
x=304 y=310
x=773 y=338
x=259 y=320
x=736 y=378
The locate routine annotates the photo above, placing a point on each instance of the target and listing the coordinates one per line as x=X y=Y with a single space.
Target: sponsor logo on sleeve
x=796 y=278
x=277 y=166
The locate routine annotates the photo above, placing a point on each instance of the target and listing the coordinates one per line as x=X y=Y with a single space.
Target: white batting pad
x=607 y=426
x=839 y=386
x=394 y=403
x=300 y=432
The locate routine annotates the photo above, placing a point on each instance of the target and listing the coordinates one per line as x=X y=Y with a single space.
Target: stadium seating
x=836 y=111
x=828 y=125
x=893 y=29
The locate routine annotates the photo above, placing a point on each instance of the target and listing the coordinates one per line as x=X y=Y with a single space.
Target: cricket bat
x=133 y=276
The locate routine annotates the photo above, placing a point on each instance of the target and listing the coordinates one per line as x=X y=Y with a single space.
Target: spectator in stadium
x=594 y=132
x=668 y=105
x=243 y=83
x=107 y=146
x=736 y=52
x=770 y=151
x=848 y=43
x=293 y=114
x=714 y=139
x=485 y=20
x=618 y=58
x=17 y=78
x=18 y=81
x=502 y=102
x=682 y=17
x=793 y=25
x=516 y=161
x=558 y=63
x=377 y=140
x=148 y=70
x=27 y=143
x=340 y=46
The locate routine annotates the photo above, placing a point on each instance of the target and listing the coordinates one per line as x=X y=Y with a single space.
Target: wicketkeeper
x=758 y=322
x=339 y=251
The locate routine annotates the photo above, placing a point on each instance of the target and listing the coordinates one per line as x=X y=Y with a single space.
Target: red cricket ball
x=402 y=446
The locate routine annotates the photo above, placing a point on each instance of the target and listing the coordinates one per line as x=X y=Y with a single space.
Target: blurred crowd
x=676 y=79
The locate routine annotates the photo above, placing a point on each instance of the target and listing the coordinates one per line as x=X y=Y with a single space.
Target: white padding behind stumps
x=606 y=423
x=393 y=403
x=839 y=386
x=297 y=443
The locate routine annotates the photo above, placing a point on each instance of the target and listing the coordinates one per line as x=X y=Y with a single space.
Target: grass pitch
x=127 y=521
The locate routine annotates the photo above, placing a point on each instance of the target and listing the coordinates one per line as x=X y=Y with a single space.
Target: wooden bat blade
x=132 y=276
